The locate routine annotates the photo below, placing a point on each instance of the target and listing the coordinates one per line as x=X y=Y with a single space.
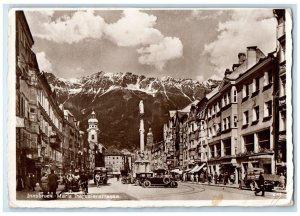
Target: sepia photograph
x=150 y=107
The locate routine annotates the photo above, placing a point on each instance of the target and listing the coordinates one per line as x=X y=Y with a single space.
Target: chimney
x=227 y=73
x=251 y=56
x=242 y=58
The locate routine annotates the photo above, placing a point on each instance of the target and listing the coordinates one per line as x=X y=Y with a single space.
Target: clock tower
x=93 y=129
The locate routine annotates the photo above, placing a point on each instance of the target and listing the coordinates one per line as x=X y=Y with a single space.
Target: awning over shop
x=176 y=171
x=195 y=168
x=187 y=170
x=199 y=168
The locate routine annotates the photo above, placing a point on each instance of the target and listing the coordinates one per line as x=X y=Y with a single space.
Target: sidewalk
x=236 y=186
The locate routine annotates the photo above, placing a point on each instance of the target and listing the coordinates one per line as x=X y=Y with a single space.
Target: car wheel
x=173 y=184
x=137 y=182
x=166 y=180
x=123 y=181
x=147 y=184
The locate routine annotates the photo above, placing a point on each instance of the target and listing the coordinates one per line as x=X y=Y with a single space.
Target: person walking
x=192 y=178
x=225 y=178
x=282 y=181
x=196 y=177
x=97 y=178
x=84 y=182
x=232 y=178
x=20 y=183
x=261 y=185
x=53 y=184
x=209 y=178
x=32 y=182
x=44 y=183
x=216 y=178
x=27 y=182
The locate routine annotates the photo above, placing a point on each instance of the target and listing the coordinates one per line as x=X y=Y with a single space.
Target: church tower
x=93 y=129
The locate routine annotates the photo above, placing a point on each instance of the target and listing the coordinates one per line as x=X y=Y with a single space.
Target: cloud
x=133 y=29
x=43 y=61
x=244 y=28
x=158 y=54
x=204 y=14
x=66 y=29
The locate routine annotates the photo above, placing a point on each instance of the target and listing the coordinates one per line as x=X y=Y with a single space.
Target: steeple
x=93 y=129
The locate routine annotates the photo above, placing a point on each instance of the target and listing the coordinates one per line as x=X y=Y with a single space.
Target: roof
x=244 y=67
x=188 y=107
x=213 y=92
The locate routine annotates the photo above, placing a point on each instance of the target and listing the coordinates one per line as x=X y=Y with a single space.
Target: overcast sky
x=197 y=44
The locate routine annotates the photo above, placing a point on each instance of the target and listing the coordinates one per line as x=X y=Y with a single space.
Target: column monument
x=142 y=163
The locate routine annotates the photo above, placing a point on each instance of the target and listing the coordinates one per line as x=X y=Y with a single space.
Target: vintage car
x=160 y=178
x=251 y=177
x=140 y=177
x=100 y=174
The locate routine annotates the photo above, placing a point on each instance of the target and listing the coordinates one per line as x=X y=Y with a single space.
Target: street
x=115 y=190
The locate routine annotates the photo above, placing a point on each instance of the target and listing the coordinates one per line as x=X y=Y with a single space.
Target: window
x=228 y=122
x=93 y=136
x=208 y=113
x=225 y=100
x=282 y=86
x=245 y=91
x=224 y=124
x=235 y=119
x=245 y=118
x=218 y=107
x=268 y=109
x=282 y=125
x=255 y=85
x=234 y=96
x=268 y=78
x=255 y=114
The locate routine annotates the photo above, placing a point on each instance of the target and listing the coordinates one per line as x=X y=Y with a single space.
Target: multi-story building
x=115 y=162
x=280 y=96
x=27 y=132
x=51 y=126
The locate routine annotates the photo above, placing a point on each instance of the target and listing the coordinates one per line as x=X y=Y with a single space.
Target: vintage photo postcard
x=150 y=107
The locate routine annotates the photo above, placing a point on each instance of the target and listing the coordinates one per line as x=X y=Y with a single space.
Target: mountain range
x=115 y=98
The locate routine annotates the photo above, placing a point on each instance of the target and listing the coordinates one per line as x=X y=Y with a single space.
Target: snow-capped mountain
x=115 y=98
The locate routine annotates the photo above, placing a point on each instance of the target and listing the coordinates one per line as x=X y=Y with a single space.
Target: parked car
x=140 y=177
x=160 y=178
x=249 y=182
x=102 y=172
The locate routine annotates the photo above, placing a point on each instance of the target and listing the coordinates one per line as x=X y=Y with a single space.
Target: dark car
x=140 y=177
x=160 y=178
x=249 y=182
x=101 y=173
x=126 y=177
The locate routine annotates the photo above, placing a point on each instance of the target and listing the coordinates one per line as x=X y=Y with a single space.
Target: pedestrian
x=201 y=177
x=52 y=184
x=261 y=185
x=118 y=177
x=282 y=181
x=192 y=178
x=197 y=178
x=97 y=178
x=220 y=178
x=32 y=182
x=84 y=182
x=27 y=182
x=225 y=178
x=232 y=178
x=44 y=183
x=216 y=177
x=209 y=178
x=20 y=183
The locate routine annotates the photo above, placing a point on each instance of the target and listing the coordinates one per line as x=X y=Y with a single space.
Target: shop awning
x=195 y=168
x=176 y=171
x=199 y=168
